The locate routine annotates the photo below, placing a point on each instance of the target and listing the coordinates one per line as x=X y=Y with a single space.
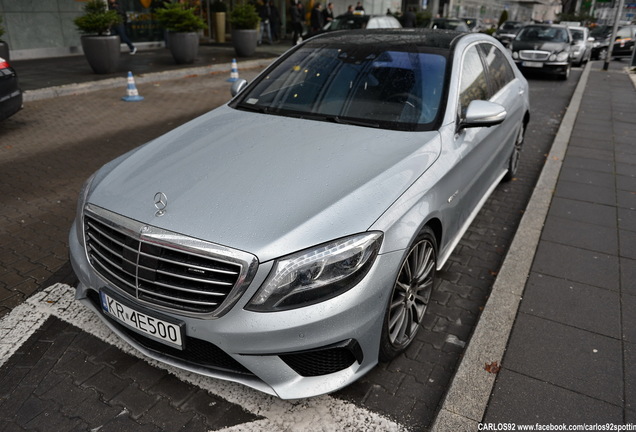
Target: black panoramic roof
x=421 y=38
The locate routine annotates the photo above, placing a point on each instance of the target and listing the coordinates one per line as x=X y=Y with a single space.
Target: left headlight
x=563 y=56
x=317 y=274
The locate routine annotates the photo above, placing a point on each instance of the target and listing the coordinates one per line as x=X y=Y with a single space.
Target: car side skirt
x=451 y=246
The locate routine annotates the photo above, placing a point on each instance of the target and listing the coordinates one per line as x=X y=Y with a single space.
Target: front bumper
x=550 y=68
x=271 y=352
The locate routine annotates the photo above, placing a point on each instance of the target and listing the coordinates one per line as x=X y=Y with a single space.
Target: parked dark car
x=544 y=48
x=600 y=46
x=624 y=42
x=10 y=93
x=449 y=24
x=507 y=31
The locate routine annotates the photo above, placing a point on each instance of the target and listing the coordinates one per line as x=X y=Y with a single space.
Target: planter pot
x=219 y=27
x=4 y=50
x=102 y=53
x=244 y=42
x=184 y=46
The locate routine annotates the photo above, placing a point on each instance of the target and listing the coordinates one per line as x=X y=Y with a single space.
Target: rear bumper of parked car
x=291 y=354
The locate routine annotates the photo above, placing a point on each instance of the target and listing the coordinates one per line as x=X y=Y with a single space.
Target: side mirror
x=483 y=114
x=238 y=86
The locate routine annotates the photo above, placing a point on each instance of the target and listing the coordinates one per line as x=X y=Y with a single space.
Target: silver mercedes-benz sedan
x=289 y=239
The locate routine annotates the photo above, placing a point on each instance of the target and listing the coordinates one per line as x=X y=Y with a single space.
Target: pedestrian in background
x=327 y=14
x=316 y=19
x=120 y=28
x=297 y=15
x=274 y=21
x=264 y=12
x=409 y=18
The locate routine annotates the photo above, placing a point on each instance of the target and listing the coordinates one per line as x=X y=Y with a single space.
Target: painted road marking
x=323 y=413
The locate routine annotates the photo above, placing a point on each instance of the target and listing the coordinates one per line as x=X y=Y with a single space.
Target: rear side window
x=499 y=68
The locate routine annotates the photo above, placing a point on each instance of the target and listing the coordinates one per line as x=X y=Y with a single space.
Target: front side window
x=474 y=85
x=367 y=86
x=499 y=68
x=577 y=35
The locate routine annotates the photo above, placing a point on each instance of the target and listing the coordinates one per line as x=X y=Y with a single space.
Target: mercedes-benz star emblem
x=161 y=201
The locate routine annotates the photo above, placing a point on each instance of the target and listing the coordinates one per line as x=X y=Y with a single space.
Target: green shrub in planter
x=244 y=17
x=179 y=18
x=97 y=19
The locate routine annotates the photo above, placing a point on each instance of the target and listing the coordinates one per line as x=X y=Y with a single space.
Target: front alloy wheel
x=513 y=163
x=410 y=296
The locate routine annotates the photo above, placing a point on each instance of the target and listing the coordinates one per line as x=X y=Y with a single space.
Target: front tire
x=513 y=162
x=410 y=296
x=565 y=75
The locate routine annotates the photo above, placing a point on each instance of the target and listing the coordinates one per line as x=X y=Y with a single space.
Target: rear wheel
x=513 y=163
x=410 y=296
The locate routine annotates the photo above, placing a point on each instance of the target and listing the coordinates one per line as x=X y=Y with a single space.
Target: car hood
x=265 y=184
x=554 y=47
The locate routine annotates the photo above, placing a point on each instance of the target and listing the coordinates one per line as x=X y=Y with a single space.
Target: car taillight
x=4 y=64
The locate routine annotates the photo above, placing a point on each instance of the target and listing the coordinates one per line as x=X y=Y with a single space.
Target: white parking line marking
x=320 y=414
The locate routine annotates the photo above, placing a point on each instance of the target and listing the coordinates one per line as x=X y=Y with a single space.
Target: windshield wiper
x=254 y=108
x=355 y=122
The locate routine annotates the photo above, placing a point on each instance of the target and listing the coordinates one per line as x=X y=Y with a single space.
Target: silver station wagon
x=289 y=240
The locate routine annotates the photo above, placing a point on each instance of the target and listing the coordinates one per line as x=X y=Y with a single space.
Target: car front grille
x=162 y=268
x=534 y=55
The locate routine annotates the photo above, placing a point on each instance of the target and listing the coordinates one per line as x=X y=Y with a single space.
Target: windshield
x=510 y=26
x=542 y=34
x=366 y=85
x=577 y=35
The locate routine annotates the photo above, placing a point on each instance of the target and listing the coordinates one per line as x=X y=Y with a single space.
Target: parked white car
x=581 y=45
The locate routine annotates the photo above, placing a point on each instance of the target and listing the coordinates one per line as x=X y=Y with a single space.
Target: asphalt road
x=50 y=147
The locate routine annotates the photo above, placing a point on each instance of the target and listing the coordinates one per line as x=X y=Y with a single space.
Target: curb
x=467 y=398
x=79 y=88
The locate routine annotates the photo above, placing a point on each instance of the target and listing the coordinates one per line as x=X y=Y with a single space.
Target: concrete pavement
x=555 y=346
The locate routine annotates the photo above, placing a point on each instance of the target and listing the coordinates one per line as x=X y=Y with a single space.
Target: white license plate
x=158 y=329
x=532 y=64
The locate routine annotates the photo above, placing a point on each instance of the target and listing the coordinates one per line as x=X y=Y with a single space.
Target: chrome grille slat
x=193 y=266
x=194 y=302
x=194 y=279
x=182 y=289
x=160 y=271
x=534 y=55
x=119 y=278
x=106 y=247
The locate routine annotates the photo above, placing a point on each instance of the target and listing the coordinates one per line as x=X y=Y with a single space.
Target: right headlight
x=317 y=274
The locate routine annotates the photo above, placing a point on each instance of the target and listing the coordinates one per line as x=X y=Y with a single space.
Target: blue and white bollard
x=132 y=95
x=234 y=76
